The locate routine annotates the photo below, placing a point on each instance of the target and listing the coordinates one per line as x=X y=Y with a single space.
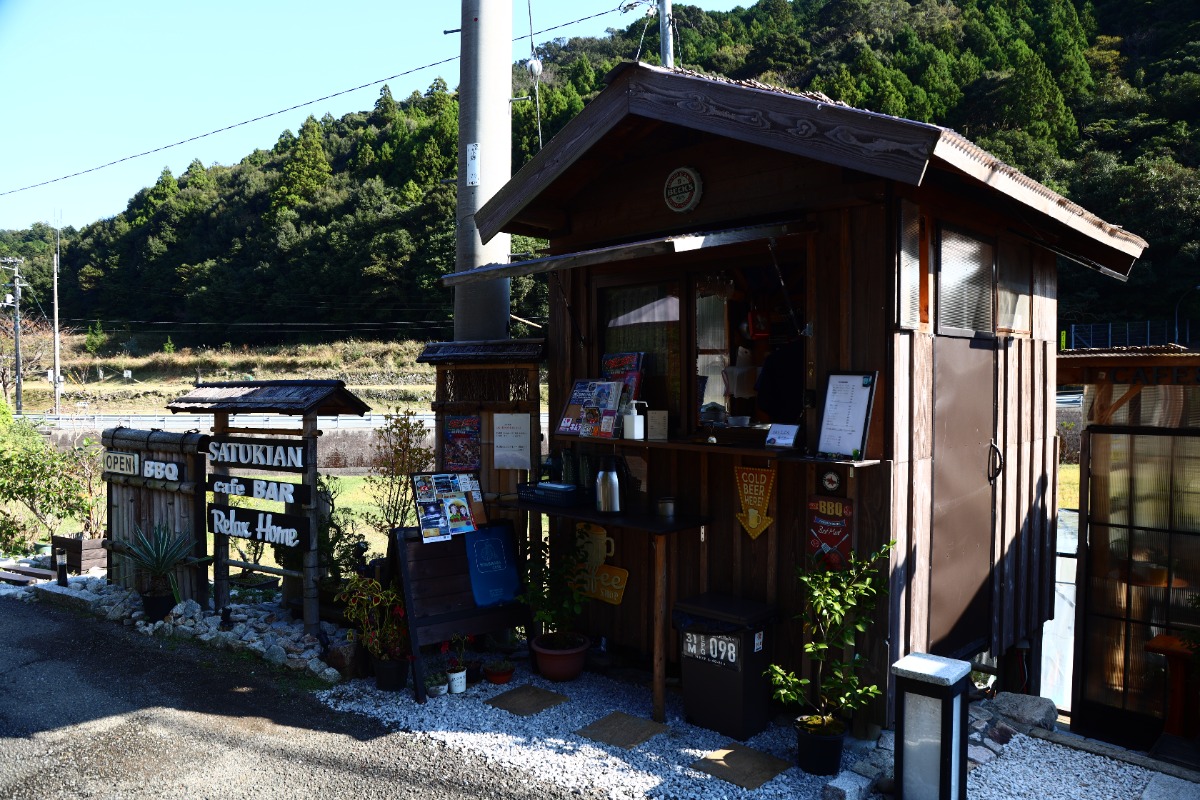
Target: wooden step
x=30 y=572
x=16 y=580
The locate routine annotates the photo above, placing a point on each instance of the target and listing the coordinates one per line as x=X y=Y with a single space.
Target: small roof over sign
x=496 y=351
x=323 y=398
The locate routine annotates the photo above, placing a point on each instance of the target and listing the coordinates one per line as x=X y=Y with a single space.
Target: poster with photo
x=462 y=449
x=448 y=503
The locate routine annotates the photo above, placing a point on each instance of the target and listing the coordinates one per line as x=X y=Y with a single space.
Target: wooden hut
x=1138 y=584
x=754 y=242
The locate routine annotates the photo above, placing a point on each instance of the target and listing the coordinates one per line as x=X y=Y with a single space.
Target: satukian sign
x=267 y=454
x=261 y=526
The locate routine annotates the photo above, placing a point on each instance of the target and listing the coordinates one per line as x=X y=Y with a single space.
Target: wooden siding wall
x=1024 y=529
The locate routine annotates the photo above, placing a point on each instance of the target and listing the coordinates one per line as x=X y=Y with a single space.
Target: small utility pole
x=666 y=41
x=15 y=265
x=57 y=372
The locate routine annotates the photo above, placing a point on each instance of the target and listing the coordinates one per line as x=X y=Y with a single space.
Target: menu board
x=846 y=415
x=448 y=503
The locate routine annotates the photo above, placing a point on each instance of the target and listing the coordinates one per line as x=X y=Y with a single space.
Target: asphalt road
x=91 y=709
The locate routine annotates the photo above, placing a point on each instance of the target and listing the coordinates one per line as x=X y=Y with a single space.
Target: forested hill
x=347 y=223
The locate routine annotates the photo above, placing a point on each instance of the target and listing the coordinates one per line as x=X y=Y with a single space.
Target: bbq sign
x=830 y=529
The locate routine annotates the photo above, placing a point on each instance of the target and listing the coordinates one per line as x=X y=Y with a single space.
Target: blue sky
x=89 y=82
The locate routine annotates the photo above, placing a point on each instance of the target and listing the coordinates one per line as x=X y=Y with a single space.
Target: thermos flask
x=608 y=487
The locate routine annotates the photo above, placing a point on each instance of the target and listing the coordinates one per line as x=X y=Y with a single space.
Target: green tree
x=305 y=171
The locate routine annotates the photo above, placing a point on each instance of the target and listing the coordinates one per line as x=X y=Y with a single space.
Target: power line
x=285 y=110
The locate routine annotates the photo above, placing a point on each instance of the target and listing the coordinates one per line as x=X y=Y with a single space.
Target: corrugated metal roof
x=949 y=139
x=1146 y=351
x=324 y=398
x=814 y=126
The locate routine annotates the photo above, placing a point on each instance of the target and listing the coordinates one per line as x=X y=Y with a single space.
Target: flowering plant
x=378 y=614
x=458 y=643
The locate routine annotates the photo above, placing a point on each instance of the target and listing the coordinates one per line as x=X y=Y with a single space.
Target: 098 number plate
x=715 y=648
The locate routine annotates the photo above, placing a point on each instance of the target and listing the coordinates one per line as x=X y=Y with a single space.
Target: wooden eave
x=648 y=248
x=1162 y=364
x=323 y=398
x=536 y=201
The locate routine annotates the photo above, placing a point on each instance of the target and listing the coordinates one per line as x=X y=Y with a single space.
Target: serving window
x=712 y=337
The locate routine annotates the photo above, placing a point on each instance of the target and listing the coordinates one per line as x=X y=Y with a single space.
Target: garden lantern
x=931 y=727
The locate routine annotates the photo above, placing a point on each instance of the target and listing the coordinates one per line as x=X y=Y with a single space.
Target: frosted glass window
x=909 y=279
x=965 y=266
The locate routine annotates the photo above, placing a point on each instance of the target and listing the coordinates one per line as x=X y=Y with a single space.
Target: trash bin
x=724 y=654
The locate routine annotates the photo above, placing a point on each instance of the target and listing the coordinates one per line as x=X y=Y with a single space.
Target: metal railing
x=1107 y=335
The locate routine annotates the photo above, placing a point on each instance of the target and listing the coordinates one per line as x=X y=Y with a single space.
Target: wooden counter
x=660 y=528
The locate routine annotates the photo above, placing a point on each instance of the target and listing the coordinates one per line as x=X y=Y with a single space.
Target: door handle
x=995 y=462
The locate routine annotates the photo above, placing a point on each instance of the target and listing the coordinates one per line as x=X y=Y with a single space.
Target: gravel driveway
x=89 y=709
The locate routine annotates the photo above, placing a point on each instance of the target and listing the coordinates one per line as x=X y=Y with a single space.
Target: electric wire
x=298 y=106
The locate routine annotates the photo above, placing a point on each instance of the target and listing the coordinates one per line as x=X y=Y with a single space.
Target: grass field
x=1068 y=486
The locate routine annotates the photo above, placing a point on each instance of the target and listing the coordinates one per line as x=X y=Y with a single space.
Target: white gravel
x=547 y=746
x=1030 y=767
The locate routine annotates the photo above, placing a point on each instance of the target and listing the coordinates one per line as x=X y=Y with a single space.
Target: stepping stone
x=622 y=730
x=741 y=765
x=31 y=572
x=526 y=700
x=16 y=580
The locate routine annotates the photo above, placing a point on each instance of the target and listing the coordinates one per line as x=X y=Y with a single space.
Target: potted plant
x=156 y=557
x=436 y=684
x=456 y=665
x=381 y=627
x=552 y=592
x=498 y=671
x=837 y=605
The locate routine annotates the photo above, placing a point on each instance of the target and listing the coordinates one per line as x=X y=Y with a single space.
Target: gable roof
x=324 y=398
x=803 y=124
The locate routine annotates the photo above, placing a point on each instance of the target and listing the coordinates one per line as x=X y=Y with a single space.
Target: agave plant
x=156 y=556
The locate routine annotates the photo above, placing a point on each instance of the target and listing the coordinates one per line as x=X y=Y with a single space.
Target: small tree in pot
x=838 y=604
x=552 y=592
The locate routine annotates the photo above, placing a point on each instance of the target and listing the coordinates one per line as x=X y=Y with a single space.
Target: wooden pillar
x=312 y=603
x=220 y=543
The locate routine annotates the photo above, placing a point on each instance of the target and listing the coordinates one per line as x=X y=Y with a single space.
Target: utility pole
x=484 y=162
x=666 y=40
x=57 y=372
x=15 y=265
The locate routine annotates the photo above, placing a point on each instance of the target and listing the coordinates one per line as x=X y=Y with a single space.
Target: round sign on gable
x=683 y=189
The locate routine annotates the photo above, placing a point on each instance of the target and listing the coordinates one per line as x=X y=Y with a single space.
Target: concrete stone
x=1001 y=733
x=330 y=675
x=1167 y=787
x=71 y=597
x=847 y=786
x=979 y=754
x=867 y=768
x=887 y=741
x=275 y=655
x=1026 y=709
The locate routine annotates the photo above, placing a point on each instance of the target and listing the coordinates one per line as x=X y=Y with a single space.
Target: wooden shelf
x=693 y=446
x=640 y=522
